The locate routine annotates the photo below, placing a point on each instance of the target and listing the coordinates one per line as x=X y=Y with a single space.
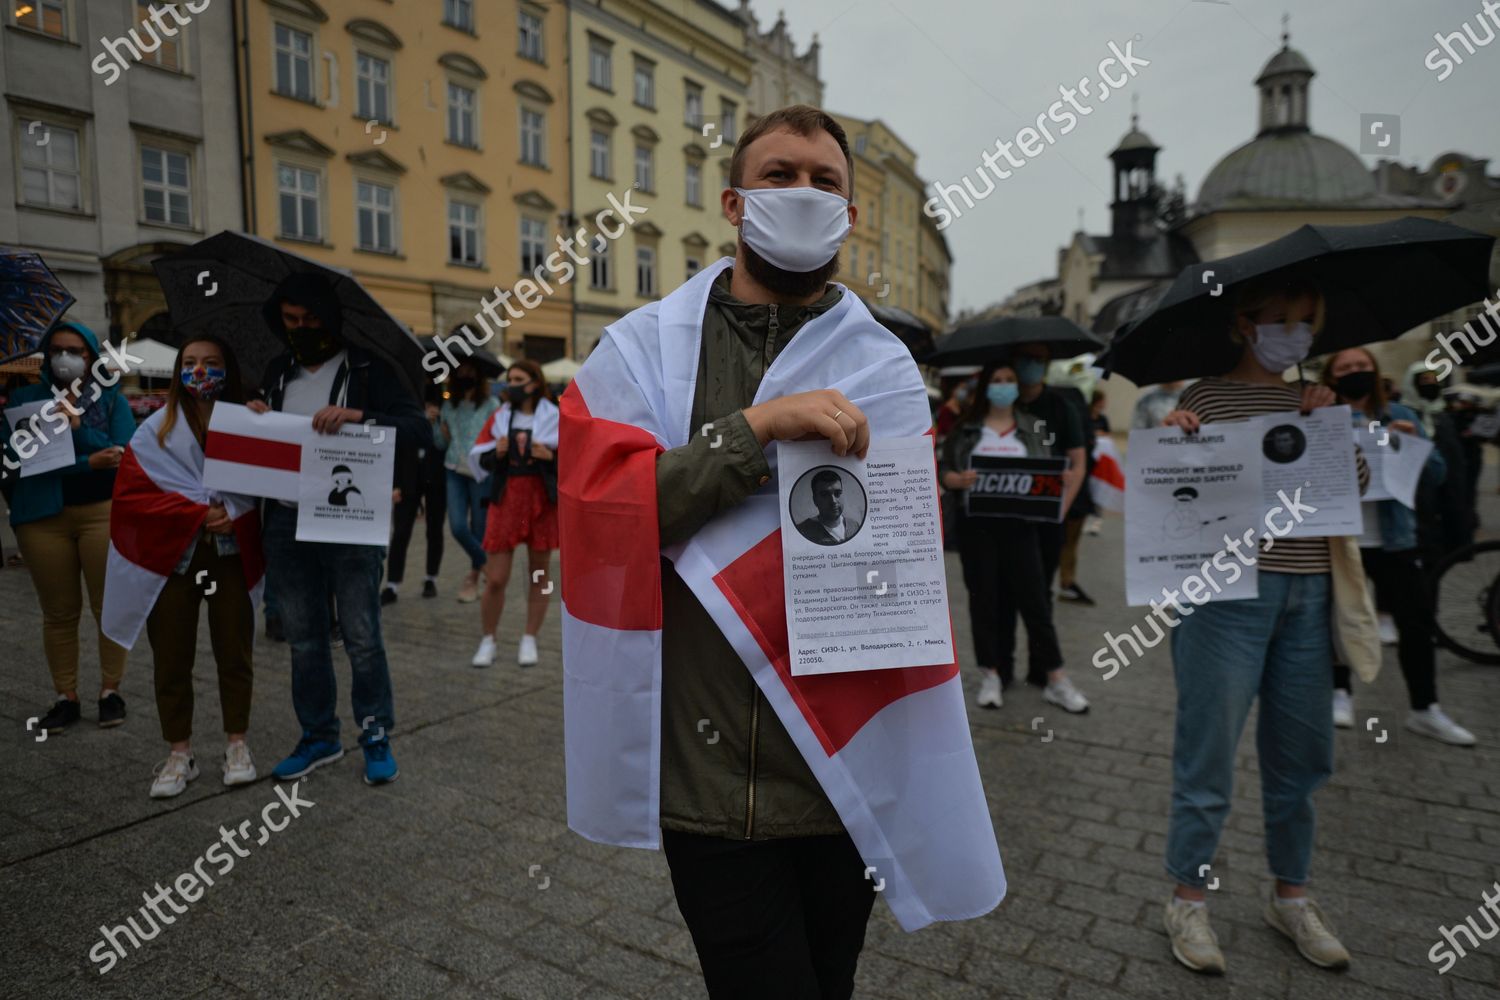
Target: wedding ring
x=837 y=415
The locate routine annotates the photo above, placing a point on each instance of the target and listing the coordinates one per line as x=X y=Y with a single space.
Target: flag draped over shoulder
x=891 y=748
x=1107 y=480
x=158 y=511
x=544 y=430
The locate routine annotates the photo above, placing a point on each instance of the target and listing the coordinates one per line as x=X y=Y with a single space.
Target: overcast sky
x=950 y=78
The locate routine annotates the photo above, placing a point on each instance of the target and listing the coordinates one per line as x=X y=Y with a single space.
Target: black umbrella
x=1378 y=281
x=220 y=284
x=992 y=340
x=488 y=365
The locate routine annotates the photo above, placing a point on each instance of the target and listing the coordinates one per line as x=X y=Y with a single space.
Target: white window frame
x=300 y=194
x=644 y=96
x=531 y=39
x=533 y=141
x=362 y=205
x=601 y=154
x=167 y=189
x=645 y=168
x=601 y=264
x=729 y=119
x=473 y=111
x=467 y=230
x=363 y=80
x=459 y=14
x=533 y=241
x=645 y=267
x=601 y=63
x=64 y=9
x=179 y=40
x=692 y=104
x=26 y=140
x=692 y=184
x=292 y=56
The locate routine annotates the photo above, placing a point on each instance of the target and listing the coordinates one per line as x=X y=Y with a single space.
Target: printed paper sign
x=1030 y=489
x=40 y=436
x=1310 y=454
x=1486 y=425
x=344 y=486
x=863 y=557
x=254 y=454
x=1395 y=461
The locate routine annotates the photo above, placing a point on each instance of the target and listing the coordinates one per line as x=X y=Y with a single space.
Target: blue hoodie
x=106 y=421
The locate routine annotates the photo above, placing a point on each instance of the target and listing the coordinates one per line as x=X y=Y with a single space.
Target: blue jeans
x=1224 y=654
x=466 y=515
x=302 y=574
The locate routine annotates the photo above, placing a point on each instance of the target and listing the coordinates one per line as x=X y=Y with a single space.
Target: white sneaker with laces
x=526 y=655
x=989 y=691
x=1194 y=943
x=1308 y=928
x=485 y=654
x=1343 y=709
x=238 y=768
x=173 y=774
x=1434 y=722
x=1062 y=693
x=1387 y=626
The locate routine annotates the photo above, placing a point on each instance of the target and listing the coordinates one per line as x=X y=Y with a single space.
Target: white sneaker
x=485 y=654
x=1434 y=722
x=526 y=655
x=239 y=769
x=989 y=691
x=1062 y=693
x=1194 y=942
x=1093 y=524
x=173 y=774
x=1308 y=928
x=1343 y=709
x=1387 y=629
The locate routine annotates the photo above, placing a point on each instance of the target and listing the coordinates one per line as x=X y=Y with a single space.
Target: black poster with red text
x=1027 y=488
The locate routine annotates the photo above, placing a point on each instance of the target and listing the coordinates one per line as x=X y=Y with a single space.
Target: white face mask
x=67 y=367
x=797 y=229
x=1278 y=348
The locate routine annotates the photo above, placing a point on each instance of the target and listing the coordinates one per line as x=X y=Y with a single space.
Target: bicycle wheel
x=1466 y=600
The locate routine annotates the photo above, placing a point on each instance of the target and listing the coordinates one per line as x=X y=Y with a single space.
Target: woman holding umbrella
x=1275 y=647
x=61 y=517
x=1388 y=550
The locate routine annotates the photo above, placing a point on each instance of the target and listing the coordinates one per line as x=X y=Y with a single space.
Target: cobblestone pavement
x=461 y=880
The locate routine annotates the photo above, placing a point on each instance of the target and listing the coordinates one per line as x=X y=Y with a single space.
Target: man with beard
x=666 y=430
x=830 y=527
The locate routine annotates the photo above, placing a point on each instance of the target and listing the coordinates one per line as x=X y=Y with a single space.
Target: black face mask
x=312 y=347
x=516 y=394
x=1429 y=390
x=461 y=384
x=1354 y=385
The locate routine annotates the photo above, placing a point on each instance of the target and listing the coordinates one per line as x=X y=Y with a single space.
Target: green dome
x=1287 y=169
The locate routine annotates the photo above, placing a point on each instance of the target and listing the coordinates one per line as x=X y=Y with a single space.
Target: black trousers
x=1398 y=579
x=772 y=918
x=434 y=495
x=1004 y=572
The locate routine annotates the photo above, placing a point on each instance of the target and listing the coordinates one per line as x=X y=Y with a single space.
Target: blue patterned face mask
x=203 y=383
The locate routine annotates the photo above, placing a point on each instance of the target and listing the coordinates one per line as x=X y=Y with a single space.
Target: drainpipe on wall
x=572 y=208
x=245 y=125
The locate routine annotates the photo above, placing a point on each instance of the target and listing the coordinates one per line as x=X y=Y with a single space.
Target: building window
x=168 y=51
x=601 y=70
x=854 y=261
x=728 y=110
x=465 y=237
x=461 y=102
x=692 y=106
x=645 y=83
x=599 y=154
x=50 y=16
x=372 y=78
x=533 y=138
x=293 y=63
x=645 y=173
x=694 y=265
x=166 y=194
x=533 y=244
x=375 y=205
x=298 y=192
x=459 y=14
x=530 y=36
x=645 y=272
x=51 y=174
x=693 y=187
x=601 y=267
x=543 y=349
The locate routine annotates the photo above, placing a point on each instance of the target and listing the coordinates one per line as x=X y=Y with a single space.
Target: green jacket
x=729 y=768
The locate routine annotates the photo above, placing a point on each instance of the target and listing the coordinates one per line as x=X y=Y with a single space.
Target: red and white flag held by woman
x=160 y=504
x=1107 y=480
x=544 y=431
x=891 y=748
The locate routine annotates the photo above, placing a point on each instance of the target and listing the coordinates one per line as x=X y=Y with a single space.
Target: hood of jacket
x=70 y=326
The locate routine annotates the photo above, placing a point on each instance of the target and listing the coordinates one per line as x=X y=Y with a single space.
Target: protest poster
x=254 y=454
x=862 y=556
x=1030 y=489
x=1395 y=460
x=1191 y=501
x=344 y=486
x=1308 y=460
x=40 y=436
x=1485 y=425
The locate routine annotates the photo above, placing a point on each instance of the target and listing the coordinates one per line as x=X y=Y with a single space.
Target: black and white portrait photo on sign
x=1284 y=443
x=827 y=505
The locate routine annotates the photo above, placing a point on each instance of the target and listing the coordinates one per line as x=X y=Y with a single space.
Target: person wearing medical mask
x=1275 y=647
x=1002 y=556
x=61 y=517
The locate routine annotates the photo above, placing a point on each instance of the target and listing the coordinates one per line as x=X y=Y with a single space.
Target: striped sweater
x=1220 y=400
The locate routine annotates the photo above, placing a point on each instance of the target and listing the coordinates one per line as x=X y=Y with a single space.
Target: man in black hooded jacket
x=334 y=383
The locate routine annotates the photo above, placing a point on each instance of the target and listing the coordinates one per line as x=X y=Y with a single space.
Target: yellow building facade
x=422 y=146
x=658 y=96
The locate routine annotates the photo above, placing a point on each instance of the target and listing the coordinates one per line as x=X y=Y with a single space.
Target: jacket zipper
x=773 y=328
x=754 y=747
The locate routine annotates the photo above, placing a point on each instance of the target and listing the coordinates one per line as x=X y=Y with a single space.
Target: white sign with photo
x=1311 y=454
x=862 y=555
x=344 y=486
x=40 y=436
x=1395 y=461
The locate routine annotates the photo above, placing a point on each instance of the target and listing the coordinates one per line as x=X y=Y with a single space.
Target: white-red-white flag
x=544 y=430
x=1107 y=481
x=254 y=454
x=891 y=748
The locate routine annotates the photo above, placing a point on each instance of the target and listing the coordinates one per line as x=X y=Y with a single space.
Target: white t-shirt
x=995 y=445
x=307 y=392
x=521 y=421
